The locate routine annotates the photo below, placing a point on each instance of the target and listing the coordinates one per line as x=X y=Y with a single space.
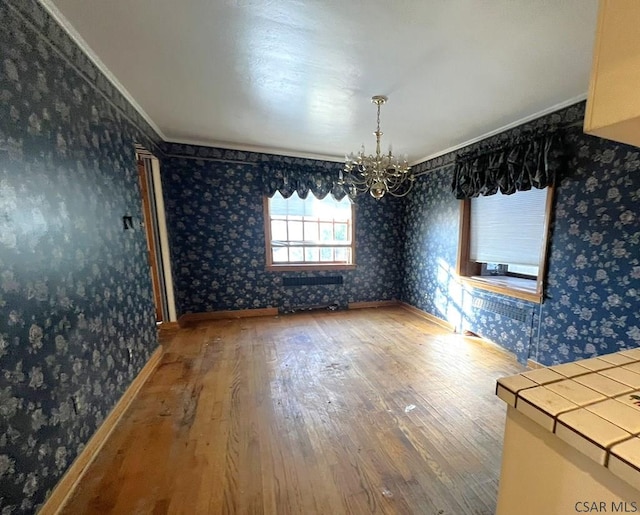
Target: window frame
x=469 y=270
x=296 y=267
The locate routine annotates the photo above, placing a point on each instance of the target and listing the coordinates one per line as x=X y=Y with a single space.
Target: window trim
x=297 y=267
x=467 y=269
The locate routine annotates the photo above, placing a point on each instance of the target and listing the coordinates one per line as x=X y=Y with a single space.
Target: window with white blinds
x=509 y=229
x=309 y=231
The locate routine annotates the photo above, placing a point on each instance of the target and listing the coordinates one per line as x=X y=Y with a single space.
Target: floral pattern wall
x=592 y=301
x=216 y=229
x=76 y=310
x=76 y=314
x=593 y=304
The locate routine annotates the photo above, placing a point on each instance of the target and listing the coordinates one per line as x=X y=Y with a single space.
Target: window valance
x=303 y=179
x=523 y=164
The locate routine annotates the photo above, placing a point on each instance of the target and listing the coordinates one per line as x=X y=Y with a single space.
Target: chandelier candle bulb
x=378 y=174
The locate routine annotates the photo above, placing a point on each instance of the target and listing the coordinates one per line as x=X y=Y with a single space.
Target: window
x=309 y=233
x=503 y=242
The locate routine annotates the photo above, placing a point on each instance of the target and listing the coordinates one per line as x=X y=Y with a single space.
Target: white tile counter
x=584 y=419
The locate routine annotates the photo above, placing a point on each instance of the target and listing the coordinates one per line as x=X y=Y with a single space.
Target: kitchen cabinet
x=613 y=103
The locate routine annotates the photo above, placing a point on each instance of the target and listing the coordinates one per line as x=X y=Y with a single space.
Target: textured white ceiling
x=296 y=77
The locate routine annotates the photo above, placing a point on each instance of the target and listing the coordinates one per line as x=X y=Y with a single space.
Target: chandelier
x=378 y=174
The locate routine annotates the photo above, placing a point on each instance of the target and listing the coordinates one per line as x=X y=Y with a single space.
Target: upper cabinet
x=613 y=105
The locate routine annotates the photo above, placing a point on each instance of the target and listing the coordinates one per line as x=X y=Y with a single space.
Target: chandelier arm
x=397 y=179
x=400 y=189
x=351 y=178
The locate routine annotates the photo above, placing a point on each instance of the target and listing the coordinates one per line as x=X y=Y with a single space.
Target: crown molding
x=255 y=148
x=66 y=25
x=57 y=15
x=337 y=159
x=512 y=125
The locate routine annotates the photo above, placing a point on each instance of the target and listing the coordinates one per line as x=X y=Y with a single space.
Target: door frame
x=160 y=235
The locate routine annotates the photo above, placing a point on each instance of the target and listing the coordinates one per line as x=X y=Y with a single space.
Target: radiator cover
x=312 y=281
x=501 y=308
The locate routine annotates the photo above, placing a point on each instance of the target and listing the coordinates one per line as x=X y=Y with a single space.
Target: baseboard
x=191 y=318
x=432 y=318
x=532 y=364
x=168 y=326
x=373 y=304
x=167 y=331
x=73 y=476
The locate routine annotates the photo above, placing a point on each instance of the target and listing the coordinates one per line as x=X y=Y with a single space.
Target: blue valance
x=288 y=178
x=521 y=165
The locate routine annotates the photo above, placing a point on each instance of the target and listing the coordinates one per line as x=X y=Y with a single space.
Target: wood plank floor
x=364 y=411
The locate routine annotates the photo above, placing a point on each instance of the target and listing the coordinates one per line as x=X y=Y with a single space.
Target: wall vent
x=500 y=308
x=312 y=281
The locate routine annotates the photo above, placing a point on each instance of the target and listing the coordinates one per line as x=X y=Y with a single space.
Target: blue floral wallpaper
x=76 y=314
x=216 y=229
x=592 y=303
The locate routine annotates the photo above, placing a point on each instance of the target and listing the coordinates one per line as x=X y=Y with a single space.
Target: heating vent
x=501 y=308
x=312 y=281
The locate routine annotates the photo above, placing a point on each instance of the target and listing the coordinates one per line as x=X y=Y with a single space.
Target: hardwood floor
x=364 y=411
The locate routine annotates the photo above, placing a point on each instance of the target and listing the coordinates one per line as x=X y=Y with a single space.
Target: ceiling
x=296 y=77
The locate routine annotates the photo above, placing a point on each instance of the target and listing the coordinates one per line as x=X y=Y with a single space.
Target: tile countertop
x=593 y=405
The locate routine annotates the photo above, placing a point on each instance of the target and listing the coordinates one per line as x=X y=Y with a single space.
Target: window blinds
x=508 y=229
